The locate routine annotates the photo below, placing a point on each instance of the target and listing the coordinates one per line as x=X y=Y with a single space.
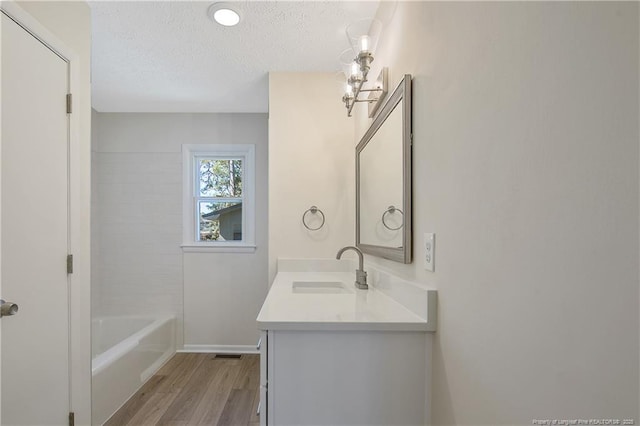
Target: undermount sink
x=320 y=287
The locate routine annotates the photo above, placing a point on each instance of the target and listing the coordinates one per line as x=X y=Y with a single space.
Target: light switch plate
x=429 y=251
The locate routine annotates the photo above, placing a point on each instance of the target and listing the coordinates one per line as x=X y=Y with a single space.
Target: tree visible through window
x=219 y=198
x=218 y=202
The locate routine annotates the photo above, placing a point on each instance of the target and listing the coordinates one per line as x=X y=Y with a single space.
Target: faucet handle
x=361 y=279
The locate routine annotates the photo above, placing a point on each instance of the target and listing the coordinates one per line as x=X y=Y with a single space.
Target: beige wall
x=311 y=162
x=526 y=167
x=70 y=22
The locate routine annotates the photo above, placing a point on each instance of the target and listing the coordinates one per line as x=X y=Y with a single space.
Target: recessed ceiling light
x=224 y=14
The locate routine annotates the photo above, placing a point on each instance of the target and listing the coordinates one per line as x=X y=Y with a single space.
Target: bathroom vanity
x=333 y=354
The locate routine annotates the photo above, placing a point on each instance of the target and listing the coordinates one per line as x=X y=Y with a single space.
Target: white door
x=34 y=230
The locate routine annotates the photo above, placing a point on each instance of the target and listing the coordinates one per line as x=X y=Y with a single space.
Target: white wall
x=311 y=162
x=138 y=212
x=70 y=22
x=526 y=167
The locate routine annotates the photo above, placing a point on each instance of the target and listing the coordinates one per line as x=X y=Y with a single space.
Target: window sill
x=218 y=248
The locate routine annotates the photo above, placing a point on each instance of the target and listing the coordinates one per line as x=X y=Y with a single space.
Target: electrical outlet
x=429 y=251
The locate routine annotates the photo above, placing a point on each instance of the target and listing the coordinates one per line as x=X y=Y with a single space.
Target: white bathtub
x=126 y=352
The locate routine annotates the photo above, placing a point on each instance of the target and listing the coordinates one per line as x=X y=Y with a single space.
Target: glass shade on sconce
x=348 y=97
x=339 y=80
x=350 y=67
x=355 y=70
x=348 y=90
x=363 y=36
x=351 y=76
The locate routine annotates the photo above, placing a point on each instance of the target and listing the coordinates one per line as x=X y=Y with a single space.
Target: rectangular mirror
x=383 y=180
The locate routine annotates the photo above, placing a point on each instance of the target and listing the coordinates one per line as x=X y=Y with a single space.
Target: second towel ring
x=391 y=210
x=312 y=210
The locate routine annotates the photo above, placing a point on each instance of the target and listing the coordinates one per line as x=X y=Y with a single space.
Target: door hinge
x=70 y=265
x=69 y=104
x=72 y=420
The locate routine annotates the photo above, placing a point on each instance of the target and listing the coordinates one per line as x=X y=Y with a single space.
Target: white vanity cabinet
x=263 y=344
x=345 y=378
x=342 y=359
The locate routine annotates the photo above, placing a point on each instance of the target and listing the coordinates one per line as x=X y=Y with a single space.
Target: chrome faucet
x=361 y=275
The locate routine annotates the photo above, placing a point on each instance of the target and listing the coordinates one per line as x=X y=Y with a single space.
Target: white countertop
x=369 y=309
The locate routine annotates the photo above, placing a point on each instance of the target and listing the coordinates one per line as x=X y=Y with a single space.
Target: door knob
x=7 y=308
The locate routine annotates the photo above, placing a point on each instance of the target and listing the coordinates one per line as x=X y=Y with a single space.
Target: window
x=218 y=204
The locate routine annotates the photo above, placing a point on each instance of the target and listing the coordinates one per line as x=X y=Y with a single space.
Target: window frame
x=191 y=153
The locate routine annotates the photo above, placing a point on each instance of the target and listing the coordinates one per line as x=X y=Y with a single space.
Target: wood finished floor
x=196 y=389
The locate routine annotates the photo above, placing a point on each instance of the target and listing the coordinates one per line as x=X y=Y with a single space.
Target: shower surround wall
x=138 y=264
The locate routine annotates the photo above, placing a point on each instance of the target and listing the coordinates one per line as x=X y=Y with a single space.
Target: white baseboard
x=221 y=349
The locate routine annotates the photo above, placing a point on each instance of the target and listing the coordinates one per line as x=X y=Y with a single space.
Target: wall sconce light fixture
x=356 y=62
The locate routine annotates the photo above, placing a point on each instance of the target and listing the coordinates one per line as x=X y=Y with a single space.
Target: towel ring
x=392 y=210
x=312 y=210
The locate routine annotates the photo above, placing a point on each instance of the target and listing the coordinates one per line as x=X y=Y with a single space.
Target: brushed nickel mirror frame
x=400 y=96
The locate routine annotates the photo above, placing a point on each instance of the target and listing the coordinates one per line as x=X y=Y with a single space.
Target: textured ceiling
x=162 y=56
